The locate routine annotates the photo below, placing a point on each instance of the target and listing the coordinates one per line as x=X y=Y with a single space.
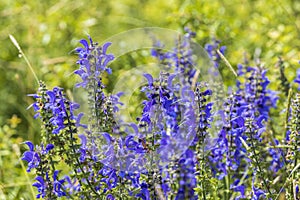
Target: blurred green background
x=48 y=31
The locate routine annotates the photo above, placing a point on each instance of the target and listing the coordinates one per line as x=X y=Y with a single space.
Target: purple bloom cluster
x=33 y=157
x=60 y=107
x=169 y=152
x=244 y=122
x=93 y=62
x=41 y=186
x=36 y=159
x=180 y=58
x=186 y=179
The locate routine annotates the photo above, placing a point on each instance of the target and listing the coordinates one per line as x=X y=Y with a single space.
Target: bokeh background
x=49 y=31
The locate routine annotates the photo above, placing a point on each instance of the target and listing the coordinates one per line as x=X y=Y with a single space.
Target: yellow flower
x=14 y=121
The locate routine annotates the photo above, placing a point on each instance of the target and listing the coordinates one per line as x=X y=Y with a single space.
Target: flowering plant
x=180 y=147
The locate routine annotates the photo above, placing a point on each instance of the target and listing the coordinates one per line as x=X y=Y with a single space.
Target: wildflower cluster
x=171 y=151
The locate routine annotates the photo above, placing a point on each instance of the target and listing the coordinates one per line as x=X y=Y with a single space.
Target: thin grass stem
x=226 y=62
x=15 y=42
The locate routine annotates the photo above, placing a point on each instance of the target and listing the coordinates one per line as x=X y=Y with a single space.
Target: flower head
x=31 y=156
x=93 y=61
x=41 y=186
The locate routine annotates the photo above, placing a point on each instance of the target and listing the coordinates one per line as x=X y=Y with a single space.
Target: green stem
x=288 y=111
x=17 y=151
x=258 y=165
x=74 y=151
x=227 y=62
x=14 y=41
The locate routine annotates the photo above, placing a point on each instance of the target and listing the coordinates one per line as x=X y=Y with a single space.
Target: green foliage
x=15 y=183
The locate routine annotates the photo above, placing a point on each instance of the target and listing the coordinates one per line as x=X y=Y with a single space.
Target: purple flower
x=62 y=109
x=83 y=148
x=78 y=118
x=110 y=177
x=49 y=147
x=181 y=58
x=31 y=156
x=112 y=180
x=144 y=193
x=108 y=138
x=187 y=180
x=149 y=78
x=93 y=61
x=35 y=105
x=256 y=92
x=237 y=187
x=229 y=152
x=130 y=143
x=257 y=193
x=110 y=197
x=58 y=185
x=41 y=186
x=276 y=154
x=244 y=117
x=71 y=186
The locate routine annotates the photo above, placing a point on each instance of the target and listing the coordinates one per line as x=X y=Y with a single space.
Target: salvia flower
x=93 y=61
x=41 y=186
x=61 y=110
x=169 y=153
x=256 y=192
x=58 y=185
x=187 y=179
x=31 y=157
x=144 y=193
x=277 y=160
x=72 y=186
